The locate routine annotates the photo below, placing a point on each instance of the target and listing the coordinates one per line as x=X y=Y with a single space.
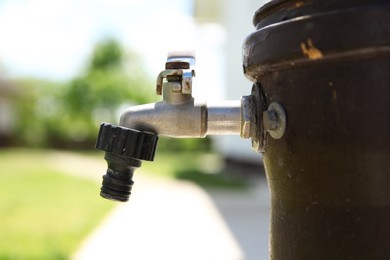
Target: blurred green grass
x=44 y=213
x=205 y=169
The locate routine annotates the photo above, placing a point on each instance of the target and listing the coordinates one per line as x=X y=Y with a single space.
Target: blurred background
x=65 y=67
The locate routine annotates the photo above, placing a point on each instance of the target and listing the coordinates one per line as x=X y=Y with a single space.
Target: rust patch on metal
x=310 y=51
x=334 y=95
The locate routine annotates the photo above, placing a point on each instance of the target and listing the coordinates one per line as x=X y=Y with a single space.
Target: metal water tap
x=179 y=115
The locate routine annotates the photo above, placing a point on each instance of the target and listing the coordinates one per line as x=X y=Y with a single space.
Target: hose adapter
x=125 y=148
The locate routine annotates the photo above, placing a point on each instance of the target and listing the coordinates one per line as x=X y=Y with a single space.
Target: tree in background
x=109 y=83
x=38 y=108
x=68 y=115
x=111 y=80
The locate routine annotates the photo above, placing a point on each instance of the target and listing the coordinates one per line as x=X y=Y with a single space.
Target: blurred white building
x=234 y=19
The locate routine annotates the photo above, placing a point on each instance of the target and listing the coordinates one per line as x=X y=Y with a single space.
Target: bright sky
x=52 y=39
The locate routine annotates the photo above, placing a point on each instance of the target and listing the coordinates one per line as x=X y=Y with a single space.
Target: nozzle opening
x=118 y=180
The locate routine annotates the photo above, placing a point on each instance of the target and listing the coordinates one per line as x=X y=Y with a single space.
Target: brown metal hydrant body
x=328 y=64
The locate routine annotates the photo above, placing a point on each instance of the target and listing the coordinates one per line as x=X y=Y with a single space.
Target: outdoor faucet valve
x=125 y=148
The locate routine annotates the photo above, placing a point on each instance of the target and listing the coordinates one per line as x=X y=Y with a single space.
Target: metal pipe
x=224 y=118
x=189 y=119
x=183 y=120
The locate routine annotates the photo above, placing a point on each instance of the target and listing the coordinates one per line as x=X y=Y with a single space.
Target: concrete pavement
x=171 y=219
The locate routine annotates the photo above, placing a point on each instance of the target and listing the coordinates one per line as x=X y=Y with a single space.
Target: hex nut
x=247 y=112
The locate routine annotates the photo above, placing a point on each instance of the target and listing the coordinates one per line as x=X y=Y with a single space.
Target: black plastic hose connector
x=125 y=148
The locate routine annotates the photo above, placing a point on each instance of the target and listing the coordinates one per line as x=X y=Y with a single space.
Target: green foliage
x=105 y=86
x=39 y=109
x=185 y=144
x=107 y=83
x=108 y=55
x=205 y=169
x=68 y=114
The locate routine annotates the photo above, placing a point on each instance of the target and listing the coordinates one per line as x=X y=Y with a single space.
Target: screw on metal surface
x=274 y=120
x=176 y=87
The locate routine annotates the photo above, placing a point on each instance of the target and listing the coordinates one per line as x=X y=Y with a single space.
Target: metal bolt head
x=270 y=120
x=275 y=121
